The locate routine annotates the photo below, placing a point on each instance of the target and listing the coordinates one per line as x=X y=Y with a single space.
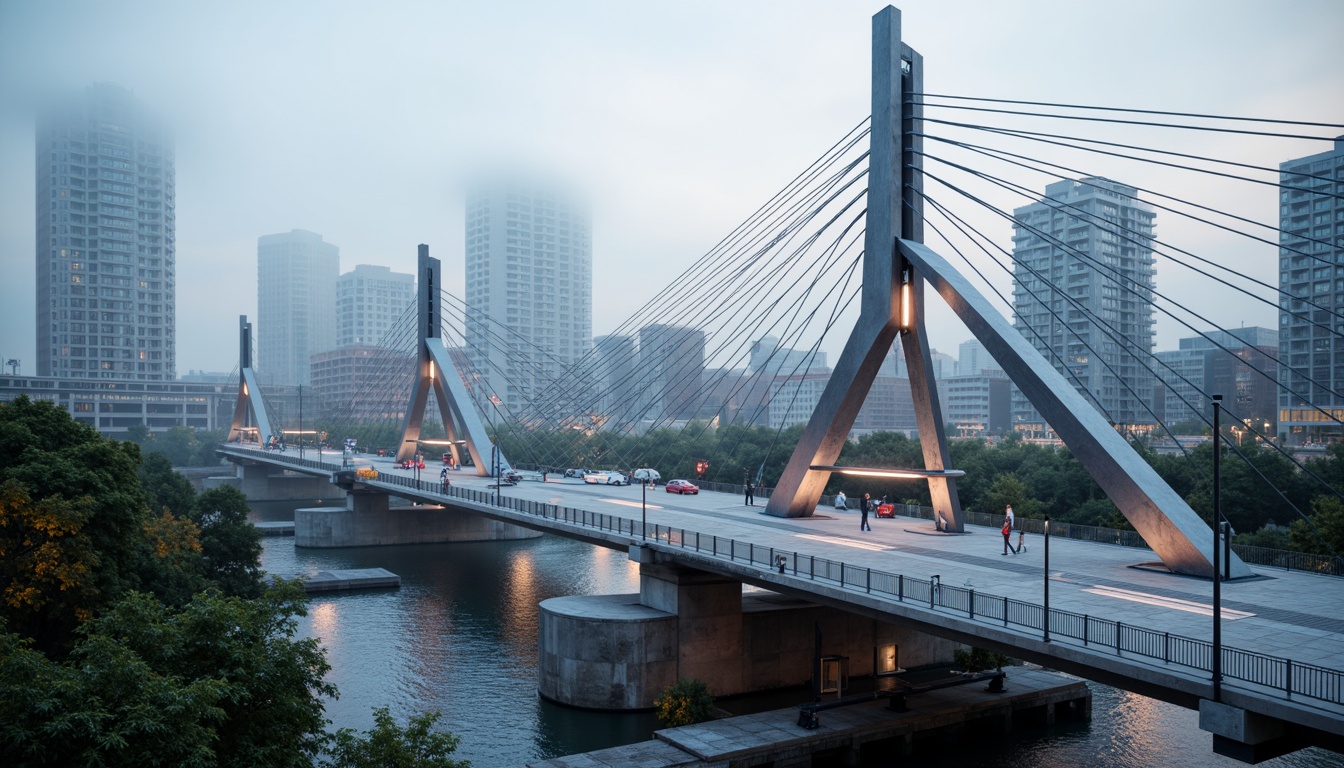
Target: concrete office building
x=529 y=284
x=1238 y=364
x=973 y=359
x=672 y=369
x=1311 y=272
x=616 y=379
x=369 y=301
x=106 y=224
x=296 y=304
x=1082 y=295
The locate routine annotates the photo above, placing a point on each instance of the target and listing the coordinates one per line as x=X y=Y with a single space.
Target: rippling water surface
x=460 y=636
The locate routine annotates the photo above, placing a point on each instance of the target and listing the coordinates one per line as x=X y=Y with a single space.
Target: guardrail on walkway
x=1279 y=675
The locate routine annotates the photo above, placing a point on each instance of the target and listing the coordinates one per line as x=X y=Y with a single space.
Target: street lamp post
x=1046 y=622
x=644 y=510
x=300 y=421
x=494 y=469
x=1217 y=573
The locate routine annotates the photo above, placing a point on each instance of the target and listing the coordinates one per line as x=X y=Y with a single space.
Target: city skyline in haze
x=365 y=127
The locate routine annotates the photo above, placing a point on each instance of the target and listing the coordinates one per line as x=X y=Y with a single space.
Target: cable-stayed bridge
x=910 y=209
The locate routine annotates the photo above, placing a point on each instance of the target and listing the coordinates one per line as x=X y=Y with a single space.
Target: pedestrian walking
x=840 y=501
x=750 y=489
x=1008 y=521
x=443 y=480
x=863 y=513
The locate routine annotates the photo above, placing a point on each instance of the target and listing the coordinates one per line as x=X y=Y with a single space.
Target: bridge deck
x=1283 y=615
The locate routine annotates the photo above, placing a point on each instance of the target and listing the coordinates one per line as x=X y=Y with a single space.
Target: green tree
x=387 y=745
x=72 y=501
x=165 y=488
x=1325 y=535
x=230 y=545
x=1009 y=489
x=221 y=681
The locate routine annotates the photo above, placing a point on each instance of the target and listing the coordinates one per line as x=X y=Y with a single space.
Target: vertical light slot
x=905 y=300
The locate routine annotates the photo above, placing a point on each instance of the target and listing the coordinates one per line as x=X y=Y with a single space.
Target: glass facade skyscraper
x=106 y=221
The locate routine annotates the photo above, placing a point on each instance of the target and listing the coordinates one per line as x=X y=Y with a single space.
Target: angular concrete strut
x=1166 y=523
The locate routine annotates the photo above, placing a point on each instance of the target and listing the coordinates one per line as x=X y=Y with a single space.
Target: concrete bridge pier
x=618 y=652
x=369 y=519
x=261 y=483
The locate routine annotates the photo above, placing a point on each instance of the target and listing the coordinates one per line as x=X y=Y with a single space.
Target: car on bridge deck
x=605 y=477
x=575 y=472
x=886 y=509
x=681 y=486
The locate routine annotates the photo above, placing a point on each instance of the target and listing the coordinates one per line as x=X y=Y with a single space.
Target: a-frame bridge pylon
x=892 y=304
x=250 y=422
x=896 y=265
x=436 y=372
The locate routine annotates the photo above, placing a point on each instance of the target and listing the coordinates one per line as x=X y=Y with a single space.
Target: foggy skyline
x=365 y=125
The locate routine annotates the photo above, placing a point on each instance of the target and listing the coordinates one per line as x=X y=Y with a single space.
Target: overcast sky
x=361 y=120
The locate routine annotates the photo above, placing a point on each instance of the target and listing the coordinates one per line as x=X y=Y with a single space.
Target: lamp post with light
x=1046 y=622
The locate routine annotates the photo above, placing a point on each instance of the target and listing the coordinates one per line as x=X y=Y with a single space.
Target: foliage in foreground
x=387 y=745
x=685 y=702
x=221 y=681
x=135 y=627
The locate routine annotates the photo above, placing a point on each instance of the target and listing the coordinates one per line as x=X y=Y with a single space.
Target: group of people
x=869 y=504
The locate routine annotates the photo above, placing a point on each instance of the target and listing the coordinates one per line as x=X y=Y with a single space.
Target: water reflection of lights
x=325 y=619
x=844 y=542
x=634 y=504
x=1165 y=602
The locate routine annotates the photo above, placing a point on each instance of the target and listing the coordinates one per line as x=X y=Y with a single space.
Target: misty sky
x=362 y=121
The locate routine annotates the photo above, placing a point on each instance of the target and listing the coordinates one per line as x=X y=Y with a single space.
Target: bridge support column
x=709 y=621
x=1242 y=735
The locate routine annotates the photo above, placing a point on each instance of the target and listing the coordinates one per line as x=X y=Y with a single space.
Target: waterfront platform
x=866 y=731
x=276 y=528
x=357 y=578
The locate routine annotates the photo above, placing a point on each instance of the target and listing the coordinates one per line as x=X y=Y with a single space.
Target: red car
x=681 y=486
x=886 y=510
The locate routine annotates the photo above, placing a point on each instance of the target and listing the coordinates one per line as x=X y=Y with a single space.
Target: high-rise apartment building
x=296 y=304
x=106 y=265
x=1311 y=272
x=369 y=300
x=529 y=291
x=1082 y=295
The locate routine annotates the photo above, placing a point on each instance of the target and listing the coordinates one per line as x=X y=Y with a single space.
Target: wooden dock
x=860 y=732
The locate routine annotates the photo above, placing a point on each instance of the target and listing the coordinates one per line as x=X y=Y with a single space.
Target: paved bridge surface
x=1111 y=619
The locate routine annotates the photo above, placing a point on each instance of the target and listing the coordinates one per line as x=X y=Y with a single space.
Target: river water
x=460 y=637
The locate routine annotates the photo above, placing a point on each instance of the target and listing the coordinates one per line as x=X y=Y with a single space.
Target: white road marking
x=844 y=542
x=1166 y=602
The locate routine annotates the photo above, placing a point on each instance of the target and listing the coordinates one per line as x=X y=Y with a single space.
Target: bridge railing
x=1279 y=675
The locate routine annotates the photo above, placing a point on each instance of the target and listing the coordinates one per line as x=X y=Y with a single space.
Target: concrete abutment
x=618 y=652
